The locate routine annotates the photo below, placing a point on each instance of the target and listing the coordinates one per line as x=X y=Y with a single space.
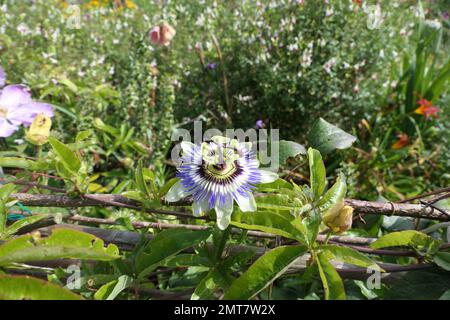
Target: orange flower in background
x=358 y=2
x=401 y=142
x=427 y=109
x=162 y=35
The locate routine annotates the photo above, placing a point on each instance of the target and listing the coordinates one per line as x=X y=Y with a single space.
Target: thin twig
x=380 y=252
x=356 y=242
x=33 y=184
x=92 y=200
x=424 y=195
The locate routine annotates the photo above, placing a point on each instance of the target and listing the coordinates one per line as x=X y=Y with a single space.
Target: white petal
x=246 y=204
x=201 y=207
x=267 y=176
x=224 y=214
x=186 y=146
x=176 y=193
x=6 y=129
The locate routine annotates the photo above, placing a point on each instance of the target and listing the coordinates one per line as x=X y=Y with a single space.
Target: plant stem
x=222 y=243
x=327 y=237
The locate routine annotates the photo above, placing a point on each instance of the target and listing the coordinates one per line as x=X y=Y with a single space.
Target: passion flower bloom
x=162 y=35
x=17 y=108
x=216 y=174
x=427 y=109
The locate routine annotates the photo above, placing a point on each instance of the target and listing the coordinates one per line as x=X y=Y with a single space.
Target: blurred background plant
x=403 y=149
x=361 y=65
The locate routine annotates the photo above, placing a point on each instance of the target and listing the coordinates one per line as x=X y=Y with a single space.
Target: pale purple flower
x=259 y=124
x=2 y=77
x=211 y=65
x=17 y=108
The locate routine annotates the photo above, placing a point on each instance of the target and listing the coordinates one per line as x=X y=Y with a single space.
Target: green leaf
x=186 y=260
x=410 y=238
x=331 y=281
x=83 y=135
x=263 y=272
x=66 y=155
x=335 y=195
x=6 y=190
x=419 y=285
x=350 y=255
x=105 y=290
x=326 y=137
x=317 y=173
x=277 y=202
x=311 y=226
x=442 y=259
x=167 y=186
x=208 y=285
x=95 y=280
x=278 y=223
x=140 y=180
x=28 y=288
x=288 y=149
x=16 y=226
x=166 y=244
x=114 y=288
x=278 y=184
x=3 y=218
x=446 y=295
x=61 y=243
x=69 y=84
x=21 y=163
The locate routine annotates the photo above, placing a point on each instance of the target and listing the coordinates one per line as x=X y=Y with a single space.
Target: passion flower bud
x=339 y=219
x=39 y=130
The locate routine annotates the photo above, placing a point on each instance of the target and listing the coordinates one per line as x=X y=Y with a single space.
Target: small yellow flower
x=130 y=4
x=39 y=130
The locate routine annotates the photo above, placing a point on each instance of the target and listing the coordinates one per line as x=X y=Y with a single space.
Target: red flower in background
x=427 y=109
x=162 y=35
x=401 y=142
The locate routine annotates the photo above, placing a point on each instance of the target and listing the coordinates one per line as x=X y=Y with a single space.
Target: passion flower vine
x=216 y=174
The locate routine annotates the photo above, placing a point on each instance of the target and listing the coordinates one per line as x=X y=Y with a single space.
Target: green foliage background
x=118 y=99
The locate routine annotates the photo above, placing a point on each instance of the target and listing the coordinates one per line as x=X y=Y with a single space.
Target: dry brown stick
x=380 y=252
x=130 y=239
x=160 y=225
x=90 y=200
x=352 y=272
x=340 y=240
x=395 y=209
x=257 y=234
x=423 y=195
